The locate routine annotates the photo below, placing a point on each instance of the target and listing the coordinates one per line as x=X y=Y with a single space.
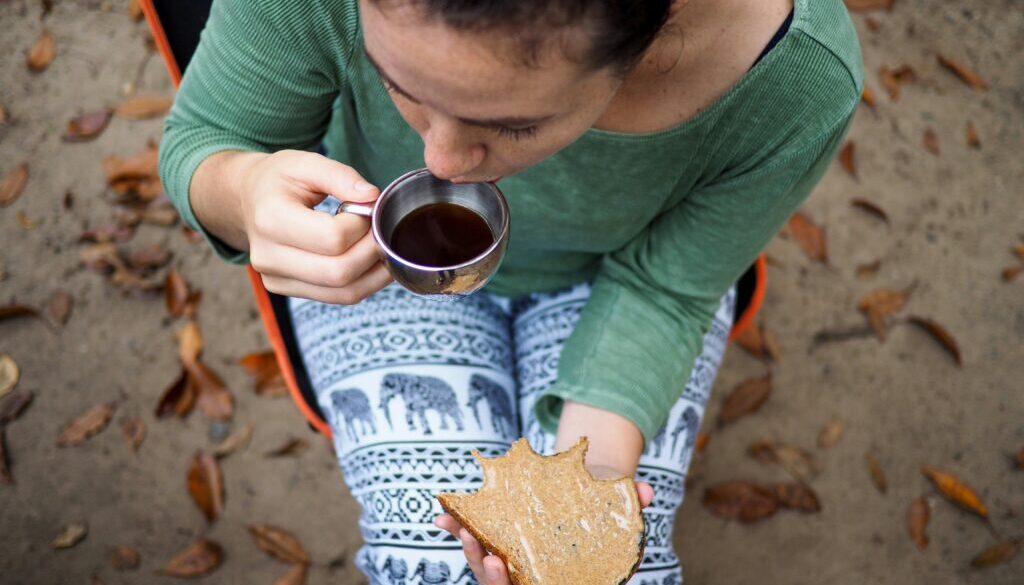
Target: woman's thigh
x=541 y=325
x=410 y=387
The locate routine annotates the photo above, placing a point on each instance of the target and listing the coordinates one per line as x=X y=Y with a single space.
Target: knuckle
x=333 y=242
x=262 y=220
x=338 y=274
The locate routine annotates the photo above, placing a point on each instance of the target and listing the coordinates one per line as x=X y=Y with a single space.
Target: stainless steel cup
x=416 y=189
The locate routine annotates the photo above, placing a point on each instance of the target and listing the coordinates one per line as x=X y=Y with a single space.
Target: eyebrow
x=511 y=121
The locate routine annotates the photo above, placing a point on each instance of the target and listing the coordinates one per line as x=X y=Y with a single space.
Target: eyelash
x=503 y=131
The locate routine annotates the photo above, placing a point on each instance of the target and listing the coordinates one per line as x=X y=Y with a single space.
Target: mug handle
x=355 y=209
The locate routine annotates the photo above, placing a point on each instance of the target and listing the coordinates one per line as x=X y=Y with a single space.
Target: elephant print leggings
x=411 y=386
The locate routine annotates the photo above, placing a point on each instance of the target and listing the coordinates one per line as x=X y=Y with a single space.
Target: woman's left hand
x=490 y=569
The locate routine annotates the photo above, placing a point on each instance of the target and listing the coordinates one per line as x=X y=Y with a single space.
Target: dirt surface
x=954 y=218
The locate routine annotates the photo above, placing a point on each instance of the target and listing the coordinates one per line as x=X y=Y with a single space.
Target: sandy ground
x=954 y=218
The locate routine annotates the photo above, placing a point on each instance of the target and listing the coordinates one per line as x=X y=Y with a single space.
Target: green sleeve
x=263 y=78
x=653 y=300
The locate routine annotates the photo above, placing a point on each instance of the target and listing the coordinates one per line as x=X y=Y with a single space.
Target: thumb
x=320 y=176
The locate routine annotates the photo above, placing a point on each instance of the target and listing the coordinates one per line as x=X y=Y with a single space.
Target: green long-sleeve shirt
x=661 y=223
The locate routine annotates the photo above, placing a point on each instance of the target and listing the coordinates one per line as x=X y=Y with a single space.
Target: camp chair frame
x=176 y=25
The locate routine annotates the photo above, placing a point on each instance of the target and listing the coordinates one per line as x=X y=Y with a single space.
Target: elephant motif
x=421 y=393
x=657 y=442
x=672 y=579
x=483 y=388
x=431 y=573
x=353 y=405
x=690 y=423
x=396 y=570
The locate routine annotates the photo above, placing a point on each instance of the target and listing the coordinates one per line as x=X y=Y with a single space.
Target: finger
x=375 y=279
x=317 y=175
x=496 y=571
x=448 y=523
x=330 y=271
x=291 y=222
x=474 y=552
x=645 y=493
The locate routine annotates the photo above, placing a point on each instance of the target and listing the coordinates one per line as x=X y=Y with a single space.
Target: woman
x=648 y=149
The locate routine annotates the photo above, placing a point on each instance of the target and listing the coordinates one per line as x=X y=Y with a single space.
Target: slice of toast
x=551 y=521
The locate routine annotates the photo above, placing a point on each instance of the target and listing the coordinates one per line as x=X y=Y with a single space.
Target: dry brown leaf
x=291 y=448
x=740 y=500
x=42 y=52
x=142 y=165
x=107 y=233
x=58 y=307
x=965 y=73
x=847 y=160
x=797 y=496
x=279 y=543
x=206 y=485
x=102 y=258
x=881 y=303
x=175 y=293
x=1011 y=272
x=296 y=575
x=893 y=79
x=70 y=535
x=6 y=477
x=13 y=184
x=1019 y=251
x=930 y=141
x=149 y=257
x=190 y=343
x=134 y=431
x=160 y=213
x=758 y=342
x=15 y=310
x=863 y=5
x=973 y=140
x=87 y=126
x=830 y=434
x=997 y=554
x=872 y=24
x=179 y=397
x=124 y=558
x=875 y=470
x=85 y=425
x=868 y=97
x=940 y=334
x=200 y=558
x=869 y=207
x=143 y=107
x=796 y=461
x=809 y=235
x=917 y=521
x=212 y=396
x=955 y=490
x=746 y=398
x=9 y=374
x=5 y=116
x=13 y=405
x=239 y=439
x=24 y=221
x=266 y=373
x=1020 y=458
x=135 y=10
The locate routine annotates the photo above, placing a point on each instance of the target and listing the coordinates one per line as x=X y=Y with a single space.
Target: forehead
x=478 y=72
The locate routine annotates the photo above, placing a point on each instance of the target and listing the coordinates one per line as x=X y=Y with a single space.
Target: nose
x=450 y=151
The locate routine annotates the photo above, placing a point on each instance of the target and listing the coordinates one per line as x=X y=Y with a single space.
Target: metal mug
x=416 y=189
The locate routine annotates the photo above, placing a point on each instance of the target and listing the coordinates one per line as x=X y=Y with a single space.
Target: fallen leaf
x=13 y=405
x=106 y=234
x=797 y=496
x=70 y=535
x=47 y=7
x=740 y=500
x=972 y=136
x=149 y=257
x=869 y=270
x=810 y=236
x=1019 y=251
x=179 y=397
x=759 y=342
x=279 y=543
x=291 y=448
x=124 y=170
x=97 y=580
x=85 y=425
x=830 y=434
x=9 y=374
x=996 y=554
x=6 y=477
x=212 y=396
x=58 y=307
x=13 y=184
x=87 y=126
x=872 y=24
x=266 y=373
x=1020 y=458
x=847 y=160
x=160 y=213
x=881 y=303
x=863 y=5
x=134 y=430
x=200 y=558
x=868 y=97
x=877 y=475
x=872 y=208
x=295 y=576
x=190 y=343
x=135 y=10
x=917 y=521
x=965 y=73
x=102 y=258
x=26 y=222
x=930 y=141
x=794 y=460
x=68 y=201
x=237 y=440
x=5 y=116
x=143 y=107
x=206 y=486
x=955 y=490
x=124 y=558
x=42 y=52
x=893 y=79
x=940 y=334
x=15 y=310
x=175 y=293
x=1011 y=272
x=746 y=398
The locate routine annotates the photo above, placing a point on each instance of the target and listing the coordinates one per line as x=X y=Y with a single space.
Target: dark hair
x=619 y=31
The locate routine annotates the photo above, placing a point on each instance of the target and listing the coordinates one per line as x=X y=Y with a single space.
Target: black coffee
x=441 y=234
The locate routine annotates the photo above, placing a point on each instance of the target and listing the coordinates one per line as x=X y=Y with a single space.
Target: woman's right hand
x=300 y=252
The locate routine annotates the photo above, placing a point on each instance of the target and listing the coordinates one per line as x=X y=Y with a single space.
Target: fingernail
x=363 y=186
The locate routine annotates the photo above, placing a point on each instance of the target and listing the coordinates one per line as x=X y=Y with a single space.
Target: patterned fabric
x=412 y=386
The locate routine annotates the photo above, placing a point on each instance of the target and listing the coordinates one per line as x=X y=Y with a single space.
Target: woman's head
x=495 y=86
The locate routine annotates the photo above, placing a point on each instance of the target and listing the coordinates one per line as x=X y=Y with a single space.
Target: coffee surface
x=441 y=234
